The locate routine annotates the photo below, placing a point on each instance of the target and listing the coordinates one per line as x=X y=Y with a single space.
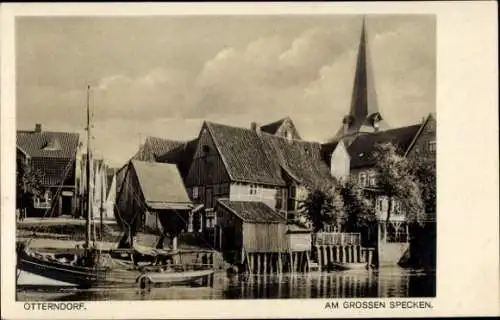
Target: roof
x=252 y=211
x=244 y=155
x=327 y=150
x=156 y=148
x=273 y=126
x=161 y=185
x=182 y=156
x=160 y=146
x=361 y=149
x=48 y=144
x=300 y=159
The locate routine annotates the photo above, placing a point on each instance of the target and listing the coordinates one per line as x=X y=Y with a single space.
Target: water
x=389 y=282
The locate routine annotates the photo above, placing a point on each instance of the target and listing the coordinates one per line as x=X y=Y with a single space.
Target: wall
x=207 y=167
x=340 y=162
x=241 y=192
x=299 y=241
x=264 y=237
x=420 y=148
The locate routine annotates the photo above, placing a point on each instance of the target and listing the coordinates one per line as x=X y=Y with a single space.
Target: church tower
x=363 y=116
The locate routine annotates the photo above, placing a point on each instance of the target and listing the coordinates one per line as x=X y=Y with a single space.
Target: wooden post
x=280 y=263
x=251 y=258
x=291 y=261
x=295 y=258
x=343 y=254
x=370 y=257
x=318 y=253
x=349 y=255
x=248 y=264
x=337 y=254
x=265 y=263
x=242 y=257
x=258 y=262
x=326 y=262
x=331 y=253
x=174 y=243
x=271 y=262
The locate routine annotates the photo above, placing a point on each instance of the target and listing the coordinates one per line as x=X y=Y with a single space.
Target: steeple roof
x=364 y=105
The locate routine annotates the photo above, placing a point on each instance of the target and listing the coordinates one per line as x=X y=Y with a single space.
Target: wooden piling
x=330 y=247
x=349 y=254
x=318 y=254
x=325 y=262
x=290 y=264
x=271 y=263
x=337 y=254
x=257 y=255
x=265 y=263
x=280 y=263
x=344 y=256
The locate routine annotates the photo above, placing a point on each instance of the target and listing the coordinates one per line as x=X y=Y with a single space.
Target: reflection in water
x=390 y=282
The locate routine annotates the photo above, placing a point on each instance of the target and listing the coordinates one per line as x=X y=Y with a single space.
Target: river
x=387 y=282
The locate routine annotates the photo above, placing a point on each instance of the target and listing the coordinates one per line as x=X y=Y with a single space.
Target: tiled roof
x=245 y=156
x=252 y=211
x=300 y=159
x=48 y=144
x=273 y=126
x=160 y=184
x=182 y=156
x=361 y=149
x=55 y=171
x=160 y=146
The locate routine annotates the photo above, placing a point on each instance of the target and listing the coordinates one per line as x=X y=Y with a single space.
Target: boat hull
x=348 y=266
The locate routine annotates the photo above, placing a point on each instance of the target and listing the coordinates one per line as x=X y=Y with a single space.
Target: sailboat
x=93 y=267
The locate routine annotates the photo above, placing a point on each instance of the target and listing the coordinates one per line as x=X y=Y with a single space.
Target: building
x=350 y=154
x=53 y=154
x=152 y=198
x=249 y=168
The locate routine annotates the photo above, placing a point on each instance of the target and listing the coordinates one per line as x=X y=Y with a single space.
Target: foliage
x=321 y=207
x=28 y=182
x=344 y=205
x=395 y=178
x=425 y=172
x=358 y=210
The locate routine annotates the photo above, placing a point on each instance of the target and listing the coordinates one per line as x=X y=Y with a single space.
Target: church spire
x=363 y=115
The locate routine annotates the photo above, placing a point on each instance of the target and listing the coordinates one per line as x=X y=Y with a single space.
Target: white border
x=467 y=106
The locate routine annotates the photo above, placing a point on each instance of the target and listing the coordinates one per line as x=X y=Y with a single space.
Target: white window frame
x=362 y=179
x=432 y=146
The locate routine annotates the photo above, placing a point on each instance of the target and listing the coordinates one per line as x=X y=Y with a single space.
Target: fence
x=337 y=238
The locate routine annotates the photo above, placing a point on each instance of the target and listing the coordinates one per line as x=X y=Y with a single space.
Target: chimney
x=253 y=126
x=38 y=128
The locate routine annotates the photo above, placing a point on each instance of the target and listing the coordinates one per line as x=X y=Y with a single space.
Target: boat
x=339 y=266
x=90 y=266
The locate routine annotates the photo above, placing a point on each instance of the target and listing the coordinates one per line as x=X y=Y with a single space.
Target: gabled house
x=247 y=165
x=54 y=155
x=152 y=198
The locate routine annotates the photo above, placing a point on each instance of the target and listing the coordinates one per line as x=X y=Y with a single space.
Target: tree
x=322 y=206
x=358 y=210
x=28 y=183
x=396 y=180
x=425 y=172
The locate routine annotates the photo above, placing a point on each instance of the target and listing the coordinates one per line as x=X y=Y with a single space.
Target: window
x=254 y=189
x=362 y=179
x=380 y=204
x=432 y=146
x=279 y=199
x=372 y=179
x=195 y=193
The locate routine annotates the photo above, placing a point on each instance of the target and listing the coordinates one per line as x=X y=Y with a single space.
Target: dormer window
x=52 y=145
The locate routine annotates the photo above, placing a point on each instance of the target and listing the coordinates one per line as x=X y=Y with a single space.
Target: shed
x=250 y=225
x=152 y=198
x=299 y=238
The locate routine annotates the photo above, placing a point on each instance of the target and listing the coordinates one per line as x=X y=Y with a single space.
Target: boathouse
x=152 y=199
x=260 y=238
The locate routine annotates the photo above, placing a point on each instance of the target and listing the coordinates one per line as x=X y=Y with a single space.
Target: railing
x=337 y=238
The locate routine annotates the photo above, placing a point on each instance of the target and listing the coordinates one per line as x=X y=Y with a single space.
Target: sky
x=164 y=75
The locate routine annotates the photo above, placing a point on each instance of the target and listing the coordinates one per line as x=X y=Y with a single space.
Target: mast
x=87 y=177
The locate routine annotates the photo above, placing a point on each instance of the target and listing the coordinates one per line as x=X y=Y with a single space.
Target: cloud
x=307 y=76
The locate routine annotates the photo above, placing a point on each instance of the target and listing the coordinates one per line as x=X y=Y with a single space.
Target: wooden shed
x=152 y=198
x=250 y=225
